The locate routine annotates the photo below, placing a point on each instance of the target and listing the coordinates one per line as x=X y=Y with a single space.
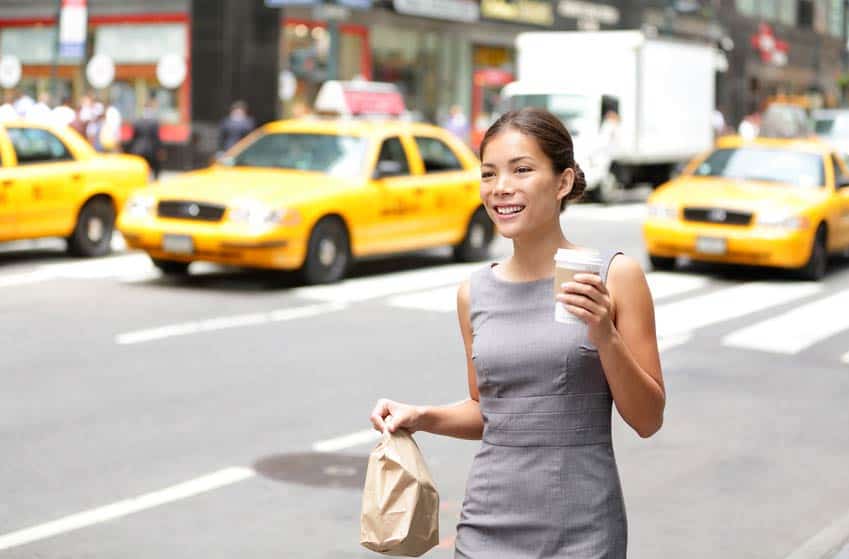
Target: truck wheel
x=662 y=262
x=92 y=235
x=815 y=268
x=171 y=267
x=608 y=189
x=328 y=252
x=479 y=235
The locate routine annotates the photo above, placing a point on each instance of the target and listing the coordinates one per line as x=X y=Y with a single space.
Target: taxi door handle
x=76 y=177
x=419 y=191
x=8 y=182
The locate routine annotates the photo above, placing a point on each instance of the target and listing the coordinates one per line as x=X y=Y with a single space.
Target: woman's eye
x=487 y=175
x=523 y=169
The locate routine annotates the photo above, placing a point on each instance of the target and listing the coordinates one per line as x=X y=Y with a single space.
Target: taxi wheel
x=171 y=267
x=328 y=252
x=479 y=234
x=92 y=235
x=662 y=262
x=817 y=264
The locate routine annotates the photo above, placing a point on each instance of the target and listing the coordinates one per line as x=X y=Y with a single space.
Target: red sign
x=363 y=102
x=772 y=50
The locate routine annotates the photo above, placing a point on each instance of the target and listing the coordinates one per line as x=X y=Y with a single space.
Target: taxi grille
x=200 y=211
x=717 y=215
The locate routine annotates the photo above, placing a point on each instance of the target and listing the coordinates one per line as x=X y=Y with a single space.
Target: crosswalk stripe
x=442 y=299
x=668 y=284
x=797 y=329
x=726 y=304
x=600 y=212
x=363 y=289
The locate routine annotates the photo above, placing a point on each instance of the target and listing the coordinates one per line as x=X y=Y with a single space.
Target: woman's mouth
x=507 y=212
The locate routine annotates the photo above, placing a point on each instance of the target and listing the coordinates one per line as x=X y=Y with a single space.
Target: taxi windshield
x=763 y=164
x=323 y=153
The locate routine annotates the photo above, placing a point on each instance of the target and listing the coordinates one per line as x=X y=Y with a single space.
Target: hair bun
x=579 y=185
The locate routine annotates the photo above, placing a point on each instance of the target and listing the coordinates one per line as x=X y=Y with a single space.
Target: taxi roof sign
x=360 y=98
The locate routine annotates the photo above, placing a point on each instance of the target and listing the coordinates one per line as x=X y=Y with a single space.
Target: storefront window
x=835 y=19
x=305 y=48
x=34 y=47
x=747 y=7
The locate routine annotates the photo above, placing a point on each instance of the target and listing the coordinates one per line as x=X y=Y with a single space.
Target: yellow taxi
x=781 y=203
x=53 y=184
x=314 y=195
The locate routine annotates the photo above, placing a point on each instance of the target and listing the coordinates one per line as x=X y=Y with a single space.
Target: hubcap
x=327 y=252
x=95 y=229
x=477 y=236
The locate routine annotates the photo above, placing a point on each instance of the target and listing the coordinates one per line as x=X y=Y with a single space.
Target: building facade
x=440 y=53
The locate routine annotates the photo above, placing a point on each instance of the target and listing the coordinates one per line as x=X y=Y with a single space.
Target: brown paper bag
x=400 y=514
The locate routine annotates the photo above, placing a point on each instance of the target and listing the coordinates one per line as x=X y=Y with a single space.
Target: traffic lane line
x=224 y=323
x=825 y=543
x=196 y=486
x=203 y=484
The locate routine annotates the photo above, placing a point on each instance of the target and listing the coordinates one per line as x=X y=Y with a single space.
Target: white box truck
x=660 y=89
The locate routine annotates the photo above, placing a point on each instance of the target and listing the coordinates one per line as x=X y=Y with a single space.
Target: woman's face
x=519 y=189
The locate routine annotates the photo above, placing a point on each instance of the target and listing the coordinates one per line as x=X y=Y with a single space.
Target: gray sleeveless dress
x=544 y=483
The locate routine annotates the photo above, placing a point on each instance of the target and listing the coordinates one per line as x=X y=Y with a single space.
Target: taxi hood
x=224 y=185
x=742 y=195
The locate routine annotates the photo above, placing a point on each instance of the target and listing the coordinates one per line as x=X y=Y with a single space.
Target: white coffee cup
x=567 y=263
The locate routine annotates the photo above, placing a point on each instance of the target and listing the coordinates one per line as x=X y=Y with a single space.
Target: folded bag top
x=400 y=514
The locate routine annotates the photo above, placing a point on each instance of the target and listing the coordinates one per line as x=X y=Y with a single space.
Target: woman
x=545 y=482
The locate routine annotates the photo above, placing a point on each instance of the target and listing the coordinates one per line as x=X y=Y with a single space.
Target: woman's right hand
x=404 y=416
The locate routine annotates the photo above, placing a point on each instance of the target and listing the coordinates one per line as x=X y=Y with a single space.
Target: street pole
x=333 y=47
x=54 y=67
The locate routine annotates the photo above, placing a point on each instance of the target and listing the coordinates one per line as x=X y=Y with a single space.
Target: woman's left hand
x=587 y=298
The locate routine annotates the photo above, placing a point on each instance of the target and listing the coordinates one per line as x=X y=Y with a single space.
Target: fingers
x=380 y=411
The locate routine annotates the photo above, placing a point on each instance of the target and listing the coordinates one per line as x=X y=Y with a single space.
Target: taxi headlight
x=781 y=219
x=257 y=214
x=661 y=211
x=140 y=205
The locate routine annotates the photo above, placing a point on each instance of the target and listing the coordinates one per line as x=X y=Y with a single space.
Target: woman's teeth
x=508 y=210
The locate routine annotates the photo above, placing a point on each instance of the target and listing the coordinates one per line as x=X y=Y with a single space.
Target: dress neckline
x=501 y=280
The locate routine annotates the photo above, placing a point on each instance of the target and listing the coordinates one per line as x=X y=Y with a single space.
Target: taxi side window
x=840 y=176
x=392 y=159
x=35 y=145
x=437 y=156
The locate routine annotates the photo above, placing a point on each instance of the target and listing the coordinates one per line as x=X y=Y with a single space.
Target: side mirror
x=387 y=169
x=843 y=182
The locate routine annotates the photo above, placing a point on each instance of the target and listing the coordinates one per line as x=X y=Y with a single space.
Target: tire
x=92 y=235
x=662 y=262
x=476 y=242
x=171 y=267
x=328 y=252
x=817 y=265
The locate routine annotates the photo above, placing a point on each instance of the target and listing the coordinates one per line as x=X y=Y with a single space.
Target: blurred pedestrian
x=145 y=141
x=63 y=114
x=235 y=126
x=22 y=104
x=110 y=132
x=717 y=122
x=84 y=115
x=94 y=127
x=457 y=123
x=7 y=109
x=545 y=481
x=40 y=111
x=750 y=126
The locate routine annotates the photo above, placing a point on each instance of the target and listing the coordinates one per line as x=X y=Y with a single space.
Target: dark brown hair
x=551 y=136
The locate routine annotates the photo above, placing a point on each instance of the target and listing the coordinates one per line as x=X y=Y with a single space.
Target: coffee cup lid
x=580 y=257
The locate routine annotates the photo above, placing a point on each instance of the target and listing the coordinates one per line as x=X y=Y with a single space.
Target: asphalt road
x=227 y=415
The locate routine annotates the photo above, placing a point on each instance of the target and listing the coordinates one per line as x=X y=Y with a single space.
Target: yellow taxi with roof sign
x=315 y=194
x=773 y=202
x=54 y=184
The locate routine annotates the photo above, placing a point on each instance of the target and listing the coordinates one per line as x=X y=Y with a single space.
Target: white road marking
x=441 y=299
x=362 y=289
x=797 y=329
x=24 y=278
x=669 y=284
x=346 y=441
x=110 y=266
x=126 y=507
x=226 y=322
x=825 y=543
x=601 y=212
x=845 y=358
x=665 y=343
x=697 y=312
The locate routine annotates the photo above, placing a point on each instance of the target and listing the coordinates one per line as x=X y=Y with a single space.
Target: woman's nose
x=502 y=184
